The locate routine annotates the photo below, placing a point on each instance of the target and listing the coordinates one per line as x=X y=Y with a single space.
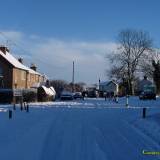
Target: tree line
x=61 y=85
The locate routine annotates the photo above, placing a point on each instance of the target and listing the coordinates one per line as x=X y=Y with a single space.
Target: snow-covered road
x=93 y=135
x=70 y=133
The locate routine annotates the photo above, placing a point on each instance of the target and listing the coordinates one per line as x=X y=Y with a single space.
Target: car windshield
x=78 y=93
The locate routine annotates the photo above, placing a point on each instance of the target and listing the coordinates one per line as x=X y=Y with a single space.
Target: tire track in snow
x=79 y=134
x=72 y=136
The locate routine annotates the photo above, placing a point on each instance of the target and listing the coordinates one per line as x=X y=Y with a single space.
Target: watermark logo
x=154 y=153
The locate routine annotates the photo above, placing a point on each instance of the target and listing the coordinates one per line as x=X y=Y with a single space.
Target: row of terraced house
x=14 y=74
x=16 y=78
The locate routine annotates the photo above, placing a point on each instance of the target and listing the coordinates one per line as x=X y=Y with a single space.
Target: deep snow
x=93 y=129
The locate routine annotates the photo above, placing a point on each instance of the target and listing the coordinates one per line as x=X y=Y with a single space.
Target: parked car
x=147 y=95
x=92 y=94
x=66 y=95
x=77 y=95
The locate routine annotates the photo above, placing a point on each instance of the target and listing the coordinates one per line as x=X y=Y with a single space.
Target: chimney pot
x=34 y=67
x=20 y=60
x=4 y=49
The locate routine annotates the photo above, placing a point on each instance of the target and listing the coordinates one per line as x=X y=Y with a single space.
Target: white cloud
x=54 y=57
x=8 y=37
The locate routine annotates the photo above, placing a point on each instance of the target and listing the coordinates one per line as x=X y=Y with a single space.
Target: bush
x=42 y=96
x=29 y=96
x=6 y=95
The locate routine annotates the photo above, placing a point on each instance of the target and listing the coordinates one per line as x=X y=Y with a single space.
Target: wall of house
x=32 y=79
x=5 y=74
x=19 y=79
x=23 y=79
x=101 y=87
x=14 y=78
x=111 y=87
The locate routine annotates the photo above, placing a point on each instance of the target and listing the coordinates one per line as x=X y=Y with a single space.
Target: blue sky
x=73 y=22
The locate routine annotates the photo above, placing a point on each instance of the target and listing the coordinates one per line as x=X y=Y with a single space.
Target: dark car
x=77 y=95
x=66 y=95
x=147 y=95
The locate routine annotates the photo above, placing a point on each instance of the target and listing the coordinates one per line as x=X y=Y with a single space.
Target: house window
x=37 y=78
x=23 y=75
x=1 y=72
x=29 y=77
x=15 y=79
x=1 y=78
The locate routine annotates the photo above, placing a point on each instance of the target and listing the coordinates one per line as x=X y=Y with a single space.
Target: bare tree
x=133 y=45
x=156 y=74
x=148 y=63
x=59 y=86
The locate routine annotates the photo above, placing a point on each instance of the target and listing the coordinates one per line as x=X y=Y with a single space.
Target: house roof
x=107 y=83
x=13 y=61
x=104 y=83
x=112 y=82
x=49 y=91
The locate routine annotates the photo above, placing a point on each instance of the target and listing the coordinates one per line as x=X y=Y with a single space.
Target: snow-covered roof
x=12 y=60
x=53 y=89
x=113 y=82
x=104 y=83
x=107 y=82
x=49 y=91
x=33 y=72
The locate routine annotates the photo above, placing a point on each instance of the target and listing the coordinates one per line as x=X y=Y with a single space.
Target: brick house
x=14 y=74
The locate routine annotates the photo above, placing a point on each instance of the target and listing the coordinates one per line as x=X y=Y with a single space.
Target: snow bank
x=134 y=102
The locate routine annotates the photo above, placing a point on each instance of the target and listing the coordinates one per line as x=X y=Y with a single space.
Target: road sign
x=17 y=93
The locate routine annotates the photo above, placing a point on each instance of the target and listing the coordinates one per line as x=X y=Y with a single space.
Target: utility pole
x=73 y=78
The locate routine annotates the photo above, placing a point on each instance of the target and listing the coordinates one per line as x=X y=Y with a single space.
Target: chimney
x=33 y=66
x=4 y=49
x=20 y=60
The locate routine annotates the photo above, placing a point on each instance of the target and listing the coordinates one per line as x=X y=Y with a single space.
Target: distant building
x=14 y=74
x=92 y=90
x=109 y=87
